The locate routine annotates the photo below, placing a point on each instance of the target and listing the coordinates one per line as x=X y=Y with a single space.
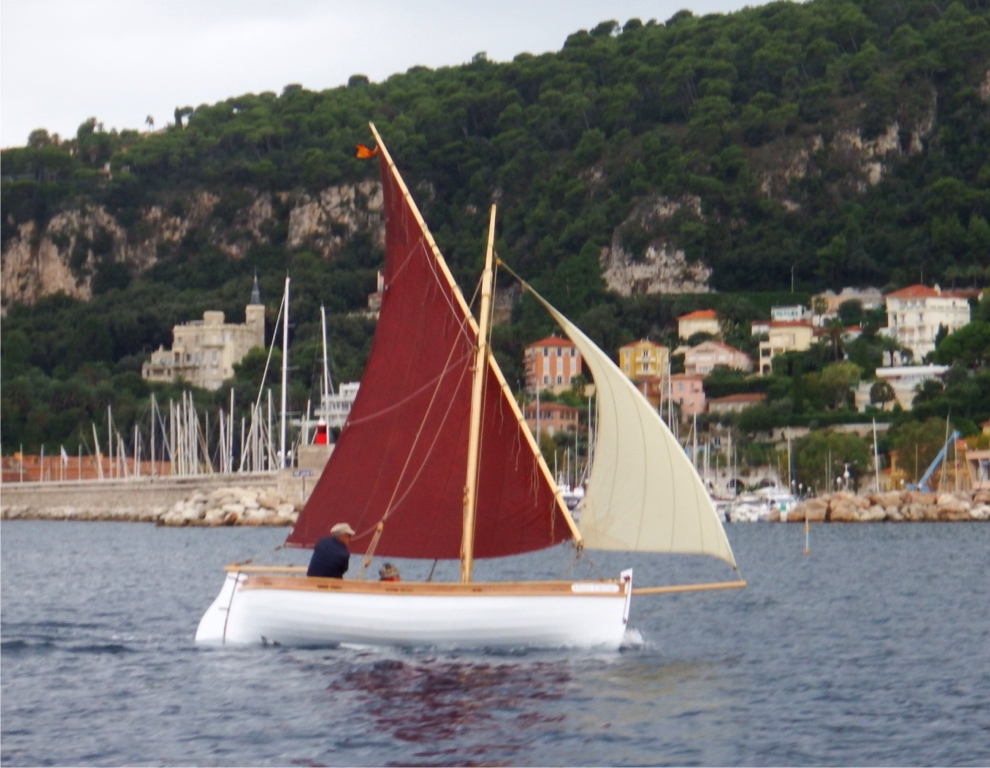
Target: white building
x=205 y=351
x=915 y=313
x=337 y=407
x=905 y=380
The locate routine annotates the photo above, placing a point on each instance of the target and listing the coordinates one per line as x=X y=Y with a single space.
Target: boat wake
x=632 y=640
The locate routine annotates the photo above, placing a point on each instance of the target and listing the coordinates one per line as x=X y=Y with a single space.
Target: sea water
x=874 y=649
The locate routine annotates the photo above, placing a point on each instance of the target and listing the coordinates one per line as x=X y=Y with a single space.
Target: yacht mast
x=285 y=372
x=327 y=384
x=474 y=439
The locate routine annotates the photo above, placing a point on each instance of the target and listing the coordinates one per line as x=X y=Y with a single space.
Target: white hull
x=305 y=612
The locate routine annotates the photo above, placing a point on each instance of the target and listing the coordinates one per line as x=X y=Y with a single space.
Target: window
x=546 y=379
x=560 y=379
x=573 y=350
x=559 y=352
x=546 y=351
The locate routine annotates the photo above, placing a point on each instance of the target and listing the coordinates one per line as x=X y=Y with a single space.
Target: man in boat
x=330 y=555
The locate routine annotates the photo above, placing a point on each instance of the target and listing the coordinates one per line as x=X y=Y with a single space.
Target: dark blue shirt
x=330 y=559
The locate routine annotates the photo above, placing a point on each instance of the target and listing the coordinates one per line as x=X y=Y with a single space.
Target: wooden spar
x=474 y=436
x=688 y=588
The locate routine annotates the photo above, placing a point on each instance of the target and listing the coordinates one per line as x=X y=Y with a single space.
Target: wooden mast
x=474 y=436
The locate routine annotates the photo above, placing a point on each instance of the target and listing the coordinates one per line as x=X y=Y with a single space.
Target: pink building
x=687 y=392
x=554 y=417
x=704 y=358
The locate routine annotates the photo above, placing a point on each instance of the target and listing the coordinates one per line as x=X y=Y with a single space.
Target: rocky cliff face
x=659 y=267
x=656 y=265
x=64 y=256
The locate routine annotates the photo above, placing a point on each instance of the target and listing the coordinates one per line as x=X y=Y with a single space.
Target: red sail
x=402 y=455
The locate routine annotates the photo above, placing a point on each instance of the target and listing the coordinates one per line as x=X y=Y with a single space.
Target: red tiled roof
x=790 y=324
x=742 y=397
x=551 y=341
x=700 y=314
x=913 y=292
x=688 y=377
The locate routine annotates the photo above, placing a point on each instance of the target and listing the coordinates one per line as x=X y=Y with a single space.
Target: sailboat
x=436 y=462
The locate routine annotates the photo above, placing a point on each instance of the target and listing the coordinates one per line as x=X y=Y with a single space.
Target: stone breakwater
x=895 y=507
x=222 y=506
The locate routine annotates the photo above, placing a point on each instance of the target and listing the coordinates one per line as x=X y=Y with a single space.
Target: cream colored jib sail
x=643 y=494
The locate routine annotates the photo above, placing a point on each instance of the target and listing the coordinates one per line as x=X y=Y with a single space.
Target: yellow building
x=643 y=359
x=784 y=337
x=204 y=351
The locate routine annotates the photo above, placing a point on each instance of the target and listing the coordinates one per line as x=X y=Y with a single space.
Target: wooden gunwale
x=447 y=589
x=295 y=580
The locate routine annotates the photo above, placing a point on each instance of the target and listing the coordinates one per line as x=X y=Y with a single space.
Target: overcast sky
x=62 y=61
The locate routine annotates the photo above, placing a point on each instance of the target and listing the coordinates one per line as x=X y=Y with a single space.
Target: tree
x=917 y=443
x=970 y=345
x=819 y=306
x=822 y=456
x=837 y=381
x=851 y=312
x=881 y=393
x=835 y=329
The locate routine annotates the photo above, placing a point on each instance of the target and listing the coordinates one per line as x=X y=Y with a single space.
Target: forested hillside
x=815 y=145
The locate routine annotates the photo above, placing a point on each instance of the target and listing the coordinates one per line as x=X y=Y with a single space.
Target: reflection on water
x=434 y=703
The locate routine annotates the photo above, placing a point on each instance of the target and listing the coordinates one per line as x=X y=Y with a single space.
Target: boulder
x=874 y=514
x=813 y=510
x=981 y=496
x=213 y=516
x=893 y=514
x=268 y=500
x=919 y=497
x=252 y=517
x=885 y=500
x=915 y=512
x=980 y=512
x=950 y=507
x=862 y=502
x=843 y=510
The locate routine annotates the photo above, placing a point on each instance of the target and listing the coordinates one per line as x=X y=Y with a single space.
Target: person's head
x=388 y=572
x=343 y=533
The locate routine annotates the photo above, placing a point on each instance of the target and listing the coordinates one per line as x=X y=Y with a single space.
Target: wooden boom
x=688 y=588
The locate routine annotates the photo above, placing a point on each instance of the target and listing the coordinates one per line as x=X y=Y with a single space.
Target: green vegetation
x=743 y=123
